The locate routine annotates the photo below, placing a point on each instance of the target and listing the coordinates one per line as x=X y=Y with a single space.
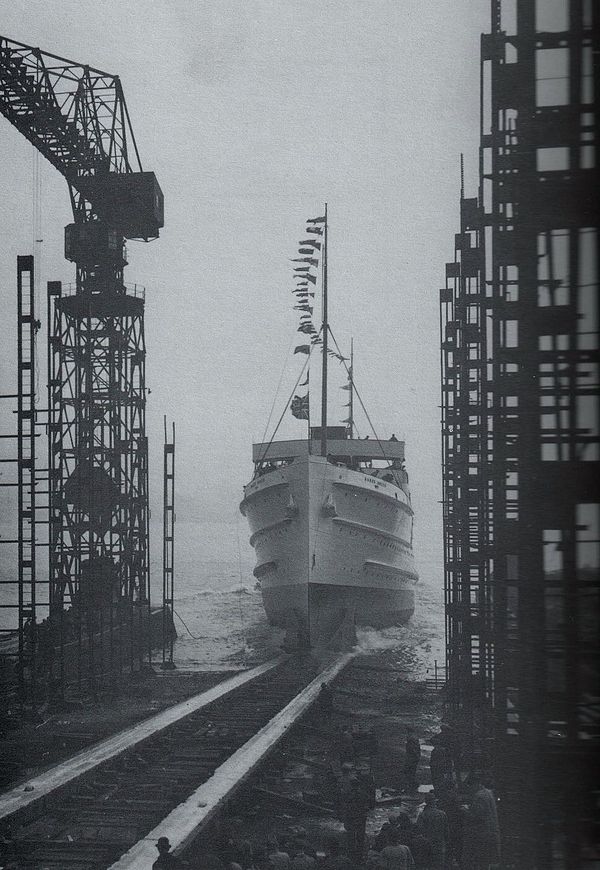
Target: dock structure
x=519 y=361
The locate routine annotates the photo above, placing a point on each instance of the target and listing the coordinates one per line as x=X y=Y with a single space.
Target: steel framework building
x=520 y=433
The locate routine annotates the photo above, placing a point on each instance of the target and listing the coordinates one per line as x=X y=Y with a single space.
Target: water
x=225 y=624
x=220 y=621
x=219 y=616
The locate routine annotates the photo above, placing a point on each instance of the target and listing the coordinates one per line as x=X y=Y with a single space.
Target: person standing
x=396 y=856
x=325 y=702
x=355 y=818
x=433 y=824
x=440 y=765
x=343 y=787
x=412 y=755
x=451 y=805
x=451 y=740
x=481 y=842
x=403 y=824
x=335 y=858
x=165 y=860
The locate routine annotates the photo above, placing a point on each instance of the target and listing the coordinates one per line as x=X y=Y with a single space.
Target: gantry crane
x=76 y=116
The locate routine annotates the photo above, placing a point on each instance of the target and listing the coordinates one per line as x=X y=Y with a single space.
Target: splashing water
x=224 y=612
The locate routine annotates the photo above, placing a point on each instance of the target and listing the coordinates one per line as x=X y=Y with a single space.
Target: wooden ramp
x=46 y=784
x=169 y=780
x=187 y=820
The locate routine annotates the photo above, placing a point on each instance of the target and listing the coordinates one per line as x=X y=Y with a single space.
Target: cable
x=237 y=532
x=285 y=361
x=193 y=636
x=306 y=361
x=359 y=397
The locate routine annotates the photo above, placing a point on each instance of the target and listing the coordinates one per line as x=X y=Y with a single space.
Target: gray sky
x=252 y=113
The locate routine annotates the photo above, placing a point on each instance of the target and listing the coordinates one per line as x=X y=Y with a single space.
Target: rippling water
x=225 y=624
x=219 y=615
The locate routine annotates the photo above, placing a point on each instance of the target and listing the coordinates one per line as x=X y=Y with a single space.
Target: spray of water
x=370 y=640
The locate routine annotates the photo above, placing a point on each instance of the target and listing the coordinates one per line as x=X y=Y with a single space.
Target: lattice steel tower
x=77 y=117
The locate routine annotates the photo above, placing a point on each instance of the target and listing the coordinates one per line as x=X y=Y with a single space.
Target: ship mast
x=351 y=379
x=325 y=334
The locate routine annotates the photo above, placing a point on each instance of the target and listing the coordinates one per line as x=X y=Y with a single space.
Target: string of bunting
x=306 y=265
x=347 y=386
x=308 y=259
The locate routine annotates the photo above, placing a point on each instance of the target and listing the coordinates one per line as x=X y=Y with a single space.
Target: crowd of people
x=444 y=836
x=453 y=826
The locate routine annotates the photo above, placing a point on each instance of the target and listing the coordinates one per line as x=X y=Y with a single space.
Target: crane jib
x=77 y=117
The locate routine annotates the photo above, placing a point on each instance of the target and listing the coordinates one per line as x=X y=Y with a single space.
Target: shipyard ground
x=238 y=761
x=375 y=693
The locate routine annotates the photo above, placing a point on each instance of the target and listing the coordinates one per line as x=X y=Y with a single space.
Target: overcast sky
x=253 y=113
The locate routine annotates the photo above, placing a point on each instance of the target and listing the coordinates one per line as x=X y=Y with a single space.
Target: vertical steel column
x=542 y=227
x=26 y=330
x=168 y=634
x=54 y=434
x=464 y=472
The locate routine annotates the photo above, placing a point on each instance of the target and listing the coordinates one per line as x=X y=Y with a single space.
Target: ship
x=330 y=515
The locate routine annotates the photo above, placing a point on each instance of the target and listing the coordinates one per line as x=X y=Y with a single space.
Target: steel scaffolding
x=168 y=567
x=24 y=600
x=520 y=432
x=99 y=591
x=469 y=661
x=26 y=479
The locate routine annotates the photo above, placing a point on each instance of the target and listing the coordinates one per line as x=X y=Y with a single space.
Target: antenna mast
x=351 y=405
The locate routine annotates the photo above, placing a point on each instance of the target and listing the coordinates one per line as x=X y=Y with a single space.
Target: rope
x=180 y=618
x=303 y=369
x=285 y=361
x=241 y=611
x=359 y=397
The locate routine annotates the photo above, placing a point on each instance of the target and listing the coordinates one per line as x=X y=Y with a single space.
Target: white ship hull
x=331 y=542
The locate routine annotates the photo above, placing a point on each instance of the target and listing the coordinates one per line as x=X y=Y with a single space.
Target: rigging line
x=237 y=532
x=193 y=636
x=306 y=361
x=359 y=397
x=285 y=362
